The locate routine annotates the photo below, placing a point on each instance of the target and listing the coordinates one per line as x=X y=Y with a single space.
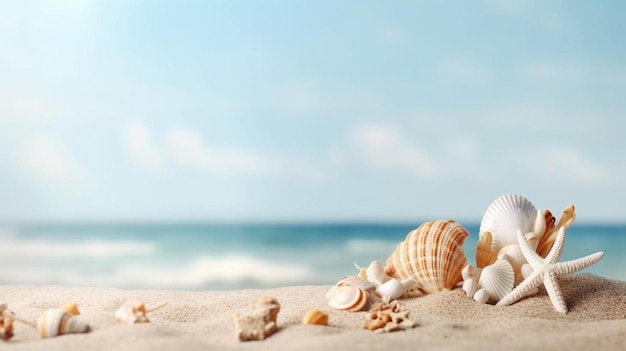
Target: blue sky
x=316 y=111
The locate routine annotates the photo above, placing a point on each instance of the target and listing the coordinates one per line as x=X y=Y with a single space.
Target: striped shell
x=59 y=322
x=432 y=255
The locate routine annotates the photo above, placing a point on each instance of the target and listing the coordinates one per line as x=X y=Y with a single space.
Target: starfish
x=547 y=271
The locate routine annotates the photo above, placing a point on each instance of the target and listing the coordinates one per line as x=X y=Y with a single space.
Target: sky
x=309 y=111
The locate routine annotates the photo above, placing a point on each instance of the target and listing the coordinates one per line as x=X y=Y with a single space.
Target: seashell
x=59 y=322
x=71 y=308
x=497 y=279
x=6 y=323
x=393 y=288
x=481 y=296
x=134 y=312
x=432 y=255
x=353 y=280
x=547 y=240
x=375 y=273
x=484 y=255
x=349 y=298
x=315 y=317
x=469 y=286
x=506 y=215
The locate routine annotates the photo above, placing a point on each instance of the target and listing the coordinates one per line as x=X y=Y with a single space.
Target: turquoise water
x=235 y=256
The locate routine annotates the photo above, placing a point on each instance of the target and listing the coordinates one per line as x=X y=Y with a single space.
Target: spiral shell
x=432 y=255
x=59 y=322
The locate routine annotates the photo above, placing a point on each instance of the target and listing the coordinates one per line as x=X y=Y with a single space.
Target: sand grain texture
x=449 y=320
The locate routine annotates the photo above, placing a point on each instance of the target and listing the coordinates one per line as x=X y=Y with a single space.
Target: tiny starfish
x=547 y=271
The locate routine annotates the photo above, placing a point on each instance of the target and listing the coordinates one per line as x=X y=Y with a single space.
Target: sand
x=202 y=320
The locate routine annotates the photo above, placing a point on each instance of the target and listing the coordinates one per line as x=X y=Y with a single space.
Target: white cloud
x=142 y=148
x=46 y=158
x=386 y=148
x=189 y=150
x=563 y=164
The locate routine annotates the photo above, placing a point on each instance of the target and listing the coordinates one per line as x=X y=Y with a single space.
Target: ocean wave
x=13 y=247
x=204 y=272
x=370 y=247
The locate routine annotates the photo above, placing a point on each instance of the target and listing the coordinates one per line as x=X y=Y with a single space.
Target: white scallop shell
x=348 y=298
x=58 y=322
x=506 y=215
x=497 y=279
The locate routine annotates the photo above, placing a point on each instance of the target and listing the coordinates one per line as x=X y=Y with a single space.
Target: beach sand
x=203 y=320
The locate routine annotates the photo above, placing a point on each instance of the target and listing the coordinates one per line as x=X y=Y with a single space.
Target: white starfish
x=547 y=271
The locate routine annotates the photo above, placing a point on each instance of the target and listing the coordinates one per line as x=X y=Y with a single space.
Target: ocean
x=235 y=256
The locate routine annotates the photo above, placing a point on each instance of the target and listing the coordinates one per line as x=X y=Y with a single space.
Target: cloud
x=141 y=147
x=46 y=158
x=563 y=164
x=299 y=96
x=384 y=147
x=187 y=149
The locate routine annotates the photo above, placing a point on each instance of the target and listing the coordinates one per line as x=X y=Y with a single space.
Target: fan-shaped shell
x=432 y=255
x=505 y=216
x=497 y=279
x=58 y=322
x=349 y=298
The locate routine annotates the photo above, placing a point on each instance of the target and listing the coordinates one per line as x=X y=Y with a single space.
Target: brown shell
x=432 y=255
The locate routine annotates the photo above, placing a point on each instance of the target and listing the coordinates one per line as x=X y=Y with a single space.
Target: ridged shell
x=497 y=279
x=315 y=317
x=349 y=298
x=59 y=322
x=432 y=255
x=505 y=216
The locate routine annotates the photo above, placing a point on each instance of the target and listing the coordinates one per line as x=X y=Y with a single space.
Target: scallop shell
x=432 y=255
x=497 y=279
x=315 y=317
x=59 y=322
x=506 y=215
x=349 y=298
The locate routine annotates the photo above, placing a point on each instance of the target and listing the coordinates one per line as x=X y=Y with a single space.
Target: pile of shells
x=500 y=264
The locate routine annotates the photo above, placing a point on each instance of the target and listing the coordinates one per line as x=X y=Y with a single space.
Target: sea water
x=235 y=256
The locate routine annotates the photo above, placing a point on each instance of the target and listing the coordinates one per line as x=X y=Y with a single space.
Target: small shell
x=481 y=296
x=547 y=240
x=315 y=317
x=432 y=255
x=484 y=255
x=131 y=312
x=497 y=279
x=391 y=290
x=349 y=298
x=505 y=216
x=71 y=308
x=353 y=280
x=6 y=323
x=375 y=273
x=59 y=322
x=469 y=286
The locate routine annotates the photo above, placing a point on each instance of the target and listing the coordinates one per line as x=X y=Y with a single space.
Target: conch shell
x=432 y=255
x=56 y=322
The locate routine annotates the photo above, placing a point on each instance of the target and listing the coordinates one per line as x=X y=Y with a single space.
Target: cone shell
x=315 y=317
x=497 y=279
x=505 y=216
x=59 y=322
x=432 y=255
